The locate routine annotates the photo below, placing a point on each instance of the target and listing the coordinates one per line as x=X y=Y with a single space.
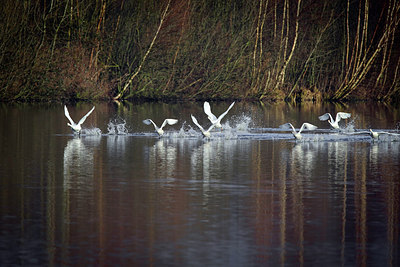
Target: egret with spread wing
x=76 y=127
x=204 y=132
x=304 y=126
x=212 y=117
x=334 y=123
x=375 y=135
x=160 y=130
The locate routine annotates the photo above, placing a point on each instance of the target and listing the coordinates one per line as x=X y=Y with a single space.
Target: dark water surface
x=249 y=196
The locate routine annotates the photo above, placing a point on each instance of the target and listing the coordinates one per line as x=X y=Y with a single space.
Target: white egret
x=160 y=130
x=334 y=123
x=76 y=127
x=304 y=126
x=204 y=132
x=212 y=117
x=375 y=135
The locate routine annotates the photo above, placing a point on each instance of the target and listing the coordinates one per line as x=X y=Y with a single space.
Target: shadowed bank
x=256 y=50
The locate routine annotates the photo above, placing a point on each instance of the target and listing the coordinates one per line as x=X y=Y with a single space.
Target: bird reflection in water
x=162 y=158
x=78 y=161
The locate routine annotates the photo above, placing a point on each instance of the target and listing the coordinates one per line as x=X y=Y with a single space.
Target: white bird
x=334 y=123
x=375 y=135
x=298 y=135
x=76 y=127
x=204 y=132
x=160 y=130
x=212 y=117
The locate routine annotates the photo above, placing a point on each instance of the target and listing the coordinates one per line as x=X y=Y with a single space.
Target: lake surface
x=249 y=196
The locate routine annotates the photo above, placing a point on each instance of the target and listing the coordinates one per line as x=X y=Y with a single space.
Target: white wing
x=84 y=117
x=355 y=133
x=67 y=115
x=342 y=115
x=226 y=112
x=198 y=125
x=325 y=117
x=394 y=134
x=207 y=110
x=307 y=126
x=149 y=121
x=287 y=126
x=169 y=121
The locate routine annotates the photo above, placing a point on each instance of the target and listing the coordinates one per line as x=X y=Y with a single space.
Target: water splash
x=117 y=128
x=239 y=127
x=189 y=131
x=241 y=123
x=350 y=127
x=397 y=127
x=230 y=129
x=91 y=131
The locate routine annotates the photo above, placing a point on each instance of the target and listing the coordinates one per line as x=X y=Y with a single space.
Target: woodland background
x=59 y=50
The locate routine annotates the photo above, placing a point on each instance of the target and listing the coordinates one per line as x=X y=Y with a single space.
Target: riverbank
x=199 y=50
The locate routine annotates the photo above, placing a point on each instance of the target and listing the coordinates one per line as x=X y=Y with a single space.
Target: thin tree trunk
x=118 y=96
x=115 y=32
x=347 y=34
x=364 y=60
x=281 y=75
x=95 y=51
x=177 y=48
x=257 y=36
x=310 y=55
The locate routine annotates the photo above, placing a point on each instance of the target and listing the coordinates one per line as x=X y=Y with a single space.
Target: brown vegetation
x=260 y=50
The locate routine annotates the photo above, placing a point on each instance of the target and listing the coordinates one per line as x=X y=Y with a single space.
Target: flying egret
x=376 y=135
x=160 y=130
x=297 y=135
x=204 y=132
x=334 y=123
x=212 y=117
x=76 y=127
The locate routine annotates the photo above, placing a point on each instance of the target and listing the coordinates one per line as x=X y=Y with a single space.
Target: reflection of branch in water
x=78 y=161
x=304 y=158
x=382 y=157
x=380 y=151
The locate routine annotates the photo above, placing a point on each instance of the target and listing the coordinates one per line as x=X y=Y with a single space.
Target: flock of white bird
x=308 y=126
x=216 y=122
